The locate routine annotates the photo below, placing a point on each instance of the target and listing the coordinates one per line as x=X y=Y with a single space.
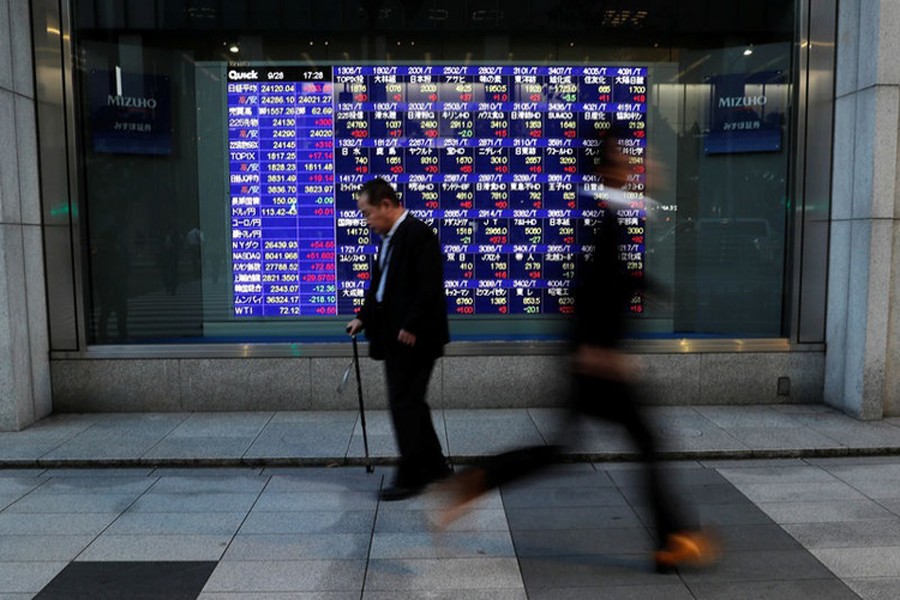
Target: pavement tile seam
x=371 y=542
x=800 y=424
x=356 y=423
x=99 y=424
x=286 y=576
x=29 y=577
x=154 y=548
x=55 y=524
x=20 y=498
x=642 y=529
x=269 y=416
x=41 y=547
x=487 y=573
x=287 y=459
x=633 y=504
x=496 y=544
x=65 y=439
x=4 y=473
x=188 y=485
x=840 y=510
x=852 y=534
x=874 y=588
x=246 y=515
x=892 y=483
x=176 y=524
x=537 y=427
x=809 y=589
x=105 y=529
x=166 y=435
x=870 y=561
x=890 y=506
x=799 y=492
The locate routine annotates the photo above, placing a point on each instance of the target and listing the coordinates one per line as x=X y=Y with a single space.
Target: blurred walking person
x=602 y=377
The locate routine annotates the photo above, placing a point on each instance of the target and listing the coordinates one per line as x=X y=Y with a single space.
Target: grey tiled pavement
x=238 y=492
x=335 y=437
x=823 y=529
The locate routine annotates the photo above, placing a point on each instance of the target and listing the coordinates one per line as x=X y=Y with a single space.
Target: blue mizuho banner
x=130 y=113
x=747 y=113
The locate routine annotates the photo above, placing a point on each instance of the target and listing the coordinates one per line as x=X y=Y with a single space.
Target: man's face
x=379 y=217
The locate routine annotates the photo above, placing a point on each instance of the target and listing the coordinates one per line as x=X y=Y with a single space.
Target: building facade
x=178 y=230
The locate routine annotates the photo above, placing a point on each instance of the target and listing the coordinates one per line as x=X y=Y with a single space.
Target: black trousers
x=421 y=457
x=610 y=401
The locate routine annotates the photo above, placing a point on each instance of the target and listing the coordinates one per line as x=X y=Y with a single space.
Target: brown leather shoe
x=698 y=548
x=407 y=487
x=460 y=492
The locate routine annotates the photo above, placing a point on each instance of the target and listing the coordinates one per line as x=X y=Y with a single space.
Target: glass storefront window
x=220 y=145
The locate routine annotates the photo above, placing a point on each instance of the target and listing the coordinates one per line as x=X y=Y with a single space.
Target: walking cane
x=362 y=408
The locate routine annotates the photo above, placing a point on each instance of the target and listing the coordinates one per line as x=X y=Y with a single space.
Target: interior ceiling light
x=625 y=17
x=383 y=14
x=199 y=13
x=748 y=51
x=234 y=48
x=487 y=15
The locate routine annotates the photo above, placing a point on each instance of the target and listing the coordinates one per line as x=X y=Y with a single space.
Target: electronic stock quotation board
x=501 y=161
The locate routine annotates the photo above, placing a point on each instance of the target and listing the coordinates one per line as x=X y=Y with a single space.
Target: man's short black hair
x=377 y=190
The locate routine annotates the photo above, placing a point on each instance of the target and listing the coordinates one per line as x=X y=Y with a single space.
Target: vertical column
x=24 y=350
x=862 y=367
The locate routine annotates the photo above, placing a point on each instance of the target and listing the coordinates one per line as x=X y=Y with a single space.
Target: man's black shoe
x=402 y=491
x=441 y=473
x=398 y=492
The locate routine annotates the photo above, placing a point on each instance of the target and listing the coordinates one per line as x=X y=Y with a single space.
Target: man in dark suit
x=405 y=319
x=602 y=386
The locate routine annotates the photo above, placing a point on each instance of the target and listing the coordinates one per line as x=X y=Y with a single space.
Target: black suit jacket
x=414 y=297
x=604 y=289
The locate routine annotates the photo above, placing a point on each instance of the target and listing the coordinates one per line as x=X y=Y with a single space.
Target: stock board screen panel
x=500 y=161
